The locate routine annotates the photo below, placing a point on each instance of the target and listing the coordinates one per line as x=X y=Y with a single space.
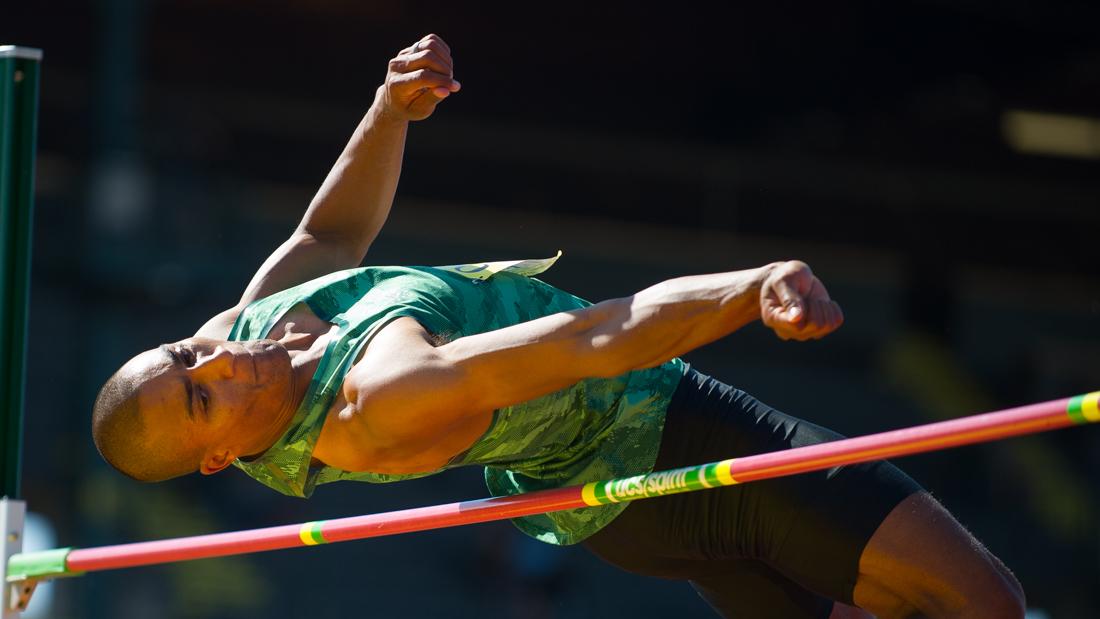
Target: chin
x=259 y=348
x=269 y=356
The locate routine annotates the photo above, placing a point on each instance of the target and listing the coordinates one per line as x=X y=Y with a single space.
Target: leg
x=810 y=528
x=922 y=561
x=727 y=542
x=748 y=588
x=734 y=588
x=843 y=611
x=913 y=557
x=864 y=534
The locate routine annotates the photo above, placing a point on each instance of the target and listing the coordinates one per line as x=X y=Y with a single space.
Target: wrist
x=762 y=275
x=758 y=284
x=384 y=112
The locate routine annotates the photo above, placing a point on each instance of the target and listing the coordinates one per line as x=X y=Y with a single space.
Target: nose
x=217 y=361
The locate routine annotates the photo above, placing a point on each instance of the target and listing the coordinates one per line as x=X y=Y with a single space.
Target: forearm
x=604 y=340
x=674 y=317
x=353 y=202
x=486 y=371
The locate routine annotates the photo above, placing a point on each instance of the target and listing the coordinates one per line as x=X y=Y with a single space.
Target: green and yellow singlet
x=596 y=429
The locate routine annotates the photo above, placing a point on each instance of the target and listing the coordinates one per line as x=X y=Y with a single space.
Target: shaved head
x=122 y=434
x=195 y=404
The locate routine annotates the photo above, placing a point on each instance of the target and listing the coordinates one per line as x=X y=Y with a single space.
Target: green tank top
x=596 y=429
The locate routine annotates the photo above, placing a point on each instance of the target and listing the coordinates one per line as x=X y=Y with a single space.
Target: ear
x=214 y=462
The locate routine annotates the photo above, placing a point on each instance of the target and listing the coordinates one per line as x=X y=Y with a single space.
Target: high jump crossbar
x=26 y=569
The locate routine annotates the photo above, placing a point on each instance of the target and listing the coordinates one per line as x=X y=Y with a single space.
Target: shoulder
x=398 y=348
x=220 y=325
x=394 y=387
x=393 y=420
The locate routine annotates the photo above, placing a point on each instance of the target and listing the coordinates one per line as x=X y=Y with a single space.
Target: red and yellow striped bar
x=976 y=429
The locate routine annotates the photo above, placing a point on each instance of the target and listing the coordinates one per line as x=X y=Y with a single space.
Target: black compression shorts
x=784 y=547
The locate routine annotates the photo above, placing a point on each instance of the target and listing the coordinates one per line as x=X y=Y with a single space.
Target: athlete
x=324 y=371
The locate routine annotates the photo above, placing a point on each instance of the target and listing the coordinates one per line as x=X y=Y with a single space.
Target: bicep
x=302 y=257
x=407 y=387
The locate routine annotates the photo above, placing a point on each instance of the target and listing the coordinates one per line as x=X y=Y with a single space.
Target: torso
x=596 y=429
x=343 y=443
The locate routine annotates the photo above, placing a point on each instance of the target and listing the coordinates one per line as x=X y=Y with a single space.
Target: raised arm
x=435 y=388
x=354 y=200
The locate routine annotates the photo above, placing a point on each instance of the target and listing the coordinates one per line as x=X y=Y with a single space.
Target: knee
x=989 y=595
x=1009 y=600
x=922 y=562
x=1001 y=594
x=1006 y=604
x=982 y=592
x=981 y=586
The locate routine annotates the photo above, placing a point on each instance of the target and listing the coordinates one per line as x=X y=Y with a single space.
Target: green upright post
x=18 y=127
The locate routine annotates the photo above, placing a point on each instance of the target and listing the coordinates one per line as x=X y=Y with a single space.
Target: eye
x=204 y=400
x=186 y=355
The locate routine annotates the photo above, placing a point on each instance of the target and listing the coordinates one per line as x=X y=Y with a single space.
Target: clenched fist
x=419 y=77
x=794 y=303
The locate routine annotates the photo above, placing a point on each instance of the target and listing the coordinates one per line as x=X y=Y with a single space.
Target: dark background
x=180 y=141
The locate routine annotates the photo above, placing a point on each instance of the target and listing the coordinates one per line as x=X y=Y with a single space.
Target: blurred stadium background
x=937 y=163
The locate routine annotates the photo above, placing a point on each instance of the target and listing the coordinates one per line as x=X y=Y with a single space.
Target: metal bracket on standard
x=19 y=595
x=16 y=595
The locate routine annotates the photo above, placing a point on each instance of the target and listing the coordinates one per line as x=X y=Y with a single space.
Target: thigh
x=810 y=528
x=747 y=588
x=732 y=587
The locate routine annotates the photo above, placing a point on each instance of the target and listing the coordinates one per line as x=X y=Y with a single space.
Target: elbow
x=630 y=334
x=342 y=247
x=619 y=361
x=608 y=347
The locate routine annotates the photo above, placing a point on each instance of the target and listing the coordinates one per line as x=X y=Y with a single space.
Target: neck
x=304 y=356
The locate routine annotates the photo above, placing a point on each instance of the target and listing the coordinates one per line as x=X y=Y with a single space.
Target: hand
x=419 y=77
x=794 y=303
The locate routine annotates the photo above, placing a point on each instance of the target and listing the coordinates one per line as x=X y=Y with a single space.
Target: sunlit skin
x=408 y=404
x=229 y=399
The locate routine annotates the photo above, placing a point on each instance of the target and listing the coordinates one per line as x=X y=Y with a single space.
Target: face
x=212 y=395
